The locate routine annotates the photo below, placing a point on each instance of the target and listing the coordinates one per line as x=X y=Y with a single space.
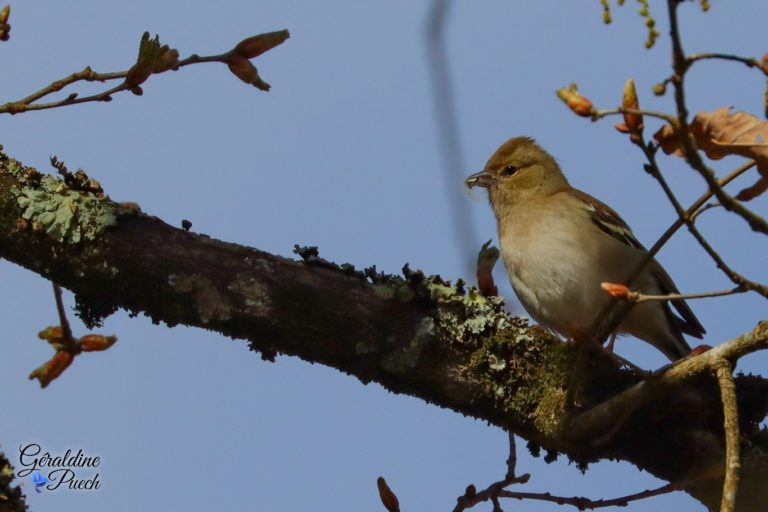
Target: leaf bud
x=575 y=101
x=96 y=342
x=53 y=368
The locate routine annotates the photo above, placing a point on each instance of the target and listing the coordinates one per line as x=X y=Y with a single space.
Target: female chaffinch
x=559 y=244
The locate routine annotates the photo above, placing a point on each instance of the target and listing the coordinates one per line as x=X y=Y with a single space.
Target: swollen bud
x=575 y=101
x=617 y=291
x=256 y=45
x=5 y=28
x=244 y=69
x=632 y=122
x=659 y=89
x=96 y=342
x=153 y=58
x=51 y=333
x=51 y=370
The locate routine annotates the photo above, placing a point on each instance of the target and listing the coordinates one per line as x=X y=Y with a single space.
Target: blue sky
x=341 y=153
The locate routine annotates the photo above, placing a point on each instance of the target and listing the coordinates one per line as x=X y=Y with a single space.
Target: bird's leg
x=609 y=347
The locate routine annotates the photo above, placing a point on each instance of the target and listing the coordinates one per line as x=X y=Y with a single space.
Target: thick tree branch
x=417 y=335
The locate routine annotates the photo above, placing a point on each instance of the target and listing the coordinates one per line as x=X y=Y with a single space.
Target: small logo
x=38 y=478
x=72 y=469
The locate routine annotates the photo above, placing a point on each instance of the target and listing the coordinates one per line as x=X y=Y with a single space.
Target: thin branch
x=86 y=74
x=724 y=371
x=512 y=459
x=692 y=211
x=583 y=503
x=471 y=497
x=497 y=490
x=748 y=61
x=27 y=104
x=735 y=277
x=66 y=330
x=601 y=113
x=706 y=207
x=637 y=297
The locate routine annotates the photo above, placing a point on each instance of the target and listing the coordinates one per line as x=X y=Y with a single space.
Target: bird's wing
x=613 y=225
x=606 y=218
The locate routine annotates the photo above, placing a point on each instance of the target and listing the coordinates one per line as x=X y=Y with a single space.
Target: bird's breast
x=555 y=272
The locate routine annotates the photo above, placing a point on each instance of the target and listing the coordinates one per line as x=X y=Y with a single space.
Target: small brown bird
x=560 y=243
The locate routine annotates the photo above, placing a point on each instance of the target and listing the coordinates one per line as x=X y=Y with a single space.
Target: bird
x=559 y=244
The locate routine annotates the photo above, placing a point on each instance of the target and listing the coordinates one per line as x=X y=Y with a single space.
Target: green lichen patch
x=464 y=318
x=67 y=215
x=11 y=166
x=525 y=370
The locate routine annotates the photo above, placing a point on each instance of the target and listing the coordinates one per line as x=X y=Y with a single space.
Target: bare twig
x=601 y=113
x=86 y=74
x=66 y=330
x=28 y=104
x=153 y=59
x=512 y=459
x=748 y=61
x=706 y=207
x=686 y=296
x=583 y=503
x=724 y=370
x=497 y=490
x=471 y=497
x=624 y=293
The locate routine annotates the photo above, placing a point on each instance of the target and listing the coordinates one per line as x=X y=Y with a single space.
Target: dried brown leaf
x=722 y=133
x=751 y=192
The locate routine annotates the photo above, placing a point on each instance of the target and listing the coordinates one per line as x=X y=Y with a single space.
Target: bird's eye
x=509 y=170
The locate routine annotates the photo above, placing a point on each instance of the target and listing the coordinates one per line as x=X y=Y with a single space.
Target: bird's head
x=518 y=171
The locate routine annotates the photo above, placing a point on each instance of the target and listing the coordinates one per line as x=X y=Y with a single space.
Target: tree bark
x=416 y=335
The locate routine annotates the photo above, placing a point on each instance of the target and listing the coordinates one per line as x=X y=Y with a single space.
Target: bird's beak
x=480 y=179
